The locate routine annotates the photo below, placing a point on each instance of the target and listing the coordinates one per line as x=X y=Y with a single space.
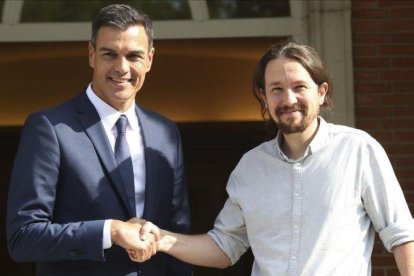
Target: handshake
x=141 y=239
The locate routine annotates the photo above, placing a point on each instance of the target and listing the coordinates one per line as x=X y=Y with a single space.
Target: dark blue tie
x=123 y=159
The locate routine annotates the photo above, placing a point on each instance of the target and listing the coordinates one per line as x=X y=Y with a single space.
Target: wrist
x=166 y=241
x=115 y=230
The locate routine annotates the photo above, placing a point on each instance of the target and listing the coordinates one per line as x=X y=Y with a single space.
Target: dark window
x=226 y=9
x=1 y=6
x=81 y=10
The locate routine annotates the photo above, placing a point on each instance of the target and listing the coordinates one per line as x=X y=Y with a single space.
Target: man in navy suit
x=70 y=208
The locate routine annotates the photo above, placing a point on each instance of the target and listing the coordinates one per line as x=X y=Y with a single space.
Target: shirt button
x=295 y=226
x=296 y=194
x=293 y=257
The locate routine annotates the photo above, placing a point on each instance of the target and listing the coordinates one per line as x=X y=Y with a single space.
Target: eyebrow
x=275 y=83
x=295 y=82
x=105 y=49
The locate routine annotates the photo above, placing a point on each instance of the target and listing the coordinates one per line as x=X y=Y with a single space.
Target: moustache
x=295 y=107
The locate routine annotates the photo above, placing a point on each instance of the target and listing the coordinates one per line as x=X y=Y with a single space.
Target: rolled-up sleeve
x=229 y=230
x=397 y=233
x=384 y=200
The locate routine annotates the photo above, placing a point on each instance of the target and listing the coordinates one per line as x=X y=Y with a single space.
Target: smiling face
x=292 y=97
x=120 y=61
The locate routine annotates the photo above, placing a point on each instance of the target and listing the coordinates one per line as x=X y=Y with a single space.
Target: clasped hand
x=146 y=244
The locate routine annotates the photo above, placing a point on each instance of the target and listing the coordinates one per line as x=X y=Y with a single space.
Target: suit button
x=77 y=253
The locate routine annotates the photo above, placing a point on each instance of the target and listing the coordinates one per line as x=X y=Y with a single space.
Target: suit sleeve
x=32 y=234
x=180 y=221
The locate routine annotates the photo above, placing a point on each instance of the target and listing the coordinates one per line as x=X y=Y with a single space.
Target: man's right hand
x=199 y=250
x=148 y=230
x=127 y=235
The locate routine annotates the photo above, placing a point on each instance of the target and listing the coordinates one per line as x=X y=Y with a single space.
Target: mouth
x=288 y=111
x=119 y=80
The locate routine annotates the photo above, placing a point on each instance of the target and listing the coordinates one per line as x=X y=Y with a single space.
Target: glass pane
x=222 y=9
x=82 y=10
x=1 y=6
x=166 y=10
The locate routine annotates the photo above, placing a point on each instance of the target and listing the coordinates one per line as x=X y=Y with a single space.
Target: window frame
x=326 y=25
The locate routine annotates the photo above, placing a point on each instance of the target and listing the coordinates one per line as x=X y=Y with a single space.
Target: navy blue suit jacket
x=65 y=183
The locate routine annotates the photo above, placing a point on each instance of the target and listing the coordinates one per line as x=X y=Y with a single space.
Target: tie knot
x=121 y=124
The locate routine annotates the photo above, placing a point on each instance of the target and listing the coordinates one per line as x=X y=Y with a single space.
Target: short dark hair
x=301 y=53
x=121 y=16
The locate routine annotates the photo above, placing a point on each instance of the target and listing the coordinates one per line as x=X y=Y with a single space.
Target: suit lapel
x=149 y=136
x=91 y=122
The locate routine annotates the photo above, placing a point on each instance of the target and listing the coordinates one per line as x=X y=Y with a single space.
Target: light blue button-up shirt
x=316 y=215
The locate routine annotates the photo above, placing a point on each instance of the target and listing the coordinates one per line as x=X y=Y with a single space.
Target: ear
x=322 y=90
x=92 y=53
x=150 y=58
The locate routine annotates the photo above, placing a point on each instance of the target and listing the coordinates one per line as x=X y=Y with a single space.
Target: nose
x=289 y=97
x=122 y=66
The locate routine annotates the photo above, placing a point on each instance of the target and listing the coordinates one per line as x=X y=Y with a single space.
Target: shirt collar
x=318 y=141
x=110 y=115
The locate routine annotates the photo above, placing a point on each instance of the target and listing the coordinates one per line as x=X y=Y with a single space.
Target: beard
x=288 y=125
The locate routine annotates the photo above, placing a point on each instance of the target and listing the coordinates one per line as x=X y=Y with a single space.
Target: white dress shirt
x=316 y=215
x=109 y=117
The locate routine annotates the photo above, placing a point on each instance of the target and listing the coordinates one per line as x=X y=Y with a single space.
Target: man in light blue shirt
x=310 y=201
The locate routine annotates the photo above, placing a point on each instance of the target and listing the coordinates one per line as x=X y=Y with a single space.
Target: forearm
x=45 y=241
x=404 y=257
x=199 y=250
